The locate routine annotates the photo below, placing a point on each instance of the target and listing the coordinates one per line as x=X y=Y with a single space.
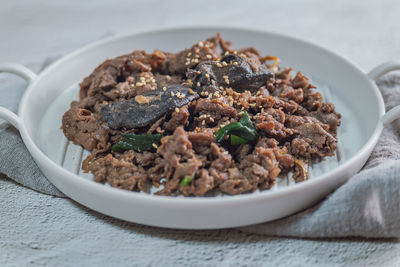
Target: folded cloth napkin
x=368 y=205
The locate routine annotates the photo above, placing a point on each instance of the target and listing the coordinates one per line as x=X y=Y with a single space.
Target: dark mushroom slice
x=232 y=71
x=147 y=108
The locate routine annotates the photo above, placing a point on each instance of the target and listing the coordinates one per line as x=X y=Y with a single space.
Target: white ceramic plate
x=48 y=96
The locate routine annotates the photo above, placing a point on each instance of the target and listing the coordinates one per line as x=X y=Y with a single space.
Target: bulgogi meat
x=206 y=119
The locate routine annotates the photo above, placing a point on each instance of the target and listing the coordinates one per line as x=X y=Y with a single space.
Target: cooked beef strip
x=216 y=83
x=80 y=126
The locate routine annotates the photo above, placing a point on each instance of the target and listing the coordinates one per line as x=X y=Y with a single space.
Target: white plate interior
x=53 y=143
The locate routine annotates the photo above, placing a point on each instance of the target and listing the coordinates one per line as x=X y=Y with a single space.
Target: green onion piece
x=226 y=130
x=236 y=140
x=187 y=179
x=245 y=120
x=243 y=129
x=137 y=142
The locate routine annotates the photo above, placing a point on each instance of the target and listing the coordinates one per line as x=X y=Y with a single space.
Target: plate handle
x=22 y=72
x=377 y=72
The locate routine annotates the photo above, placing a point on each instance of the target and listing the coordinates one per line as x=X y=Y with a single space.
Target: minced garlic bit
x=142 y=99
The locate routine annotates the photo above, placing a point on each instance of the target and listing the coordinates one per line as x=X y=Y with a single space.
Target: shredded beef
x=186 y=98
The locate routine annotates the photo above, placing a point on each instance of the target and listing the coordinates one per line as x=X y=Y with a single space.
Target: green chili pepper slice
x=243 y=129
x=137 y=142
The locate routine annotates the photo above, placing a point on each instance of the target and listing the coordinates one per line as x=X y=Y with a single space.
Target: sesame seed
x=200 y=44
x=208 y=56
x=187 y=63
x=197 y=56
x=139 y=84
x=154 y=145
x=211 y=119
x=172 y=94
x=262 y=110
x=235 y=52
x=221 y=88
x=219 y=65
x=226 y=53
x=191 y=91
x=189 y=54
x=224 y=63
x=203 y=123
x=168 y=77
x=225 y=77
x=235 y=63
x=196 y=60
x=198 y=84
x=176 y=110
x=198 y=72
x=164 y=88
x=197 y=50
x=224 y=93
x=226 y=81
x=207 y=75
x=212 y=82
x=210 y=95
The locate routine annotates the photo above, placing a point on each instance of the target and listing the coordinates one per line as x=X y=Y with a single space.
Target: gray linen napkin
x=368 y=205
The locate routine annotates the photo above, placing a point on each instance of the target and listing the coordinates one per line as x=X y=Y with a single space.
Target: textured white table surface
x=36 y=229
